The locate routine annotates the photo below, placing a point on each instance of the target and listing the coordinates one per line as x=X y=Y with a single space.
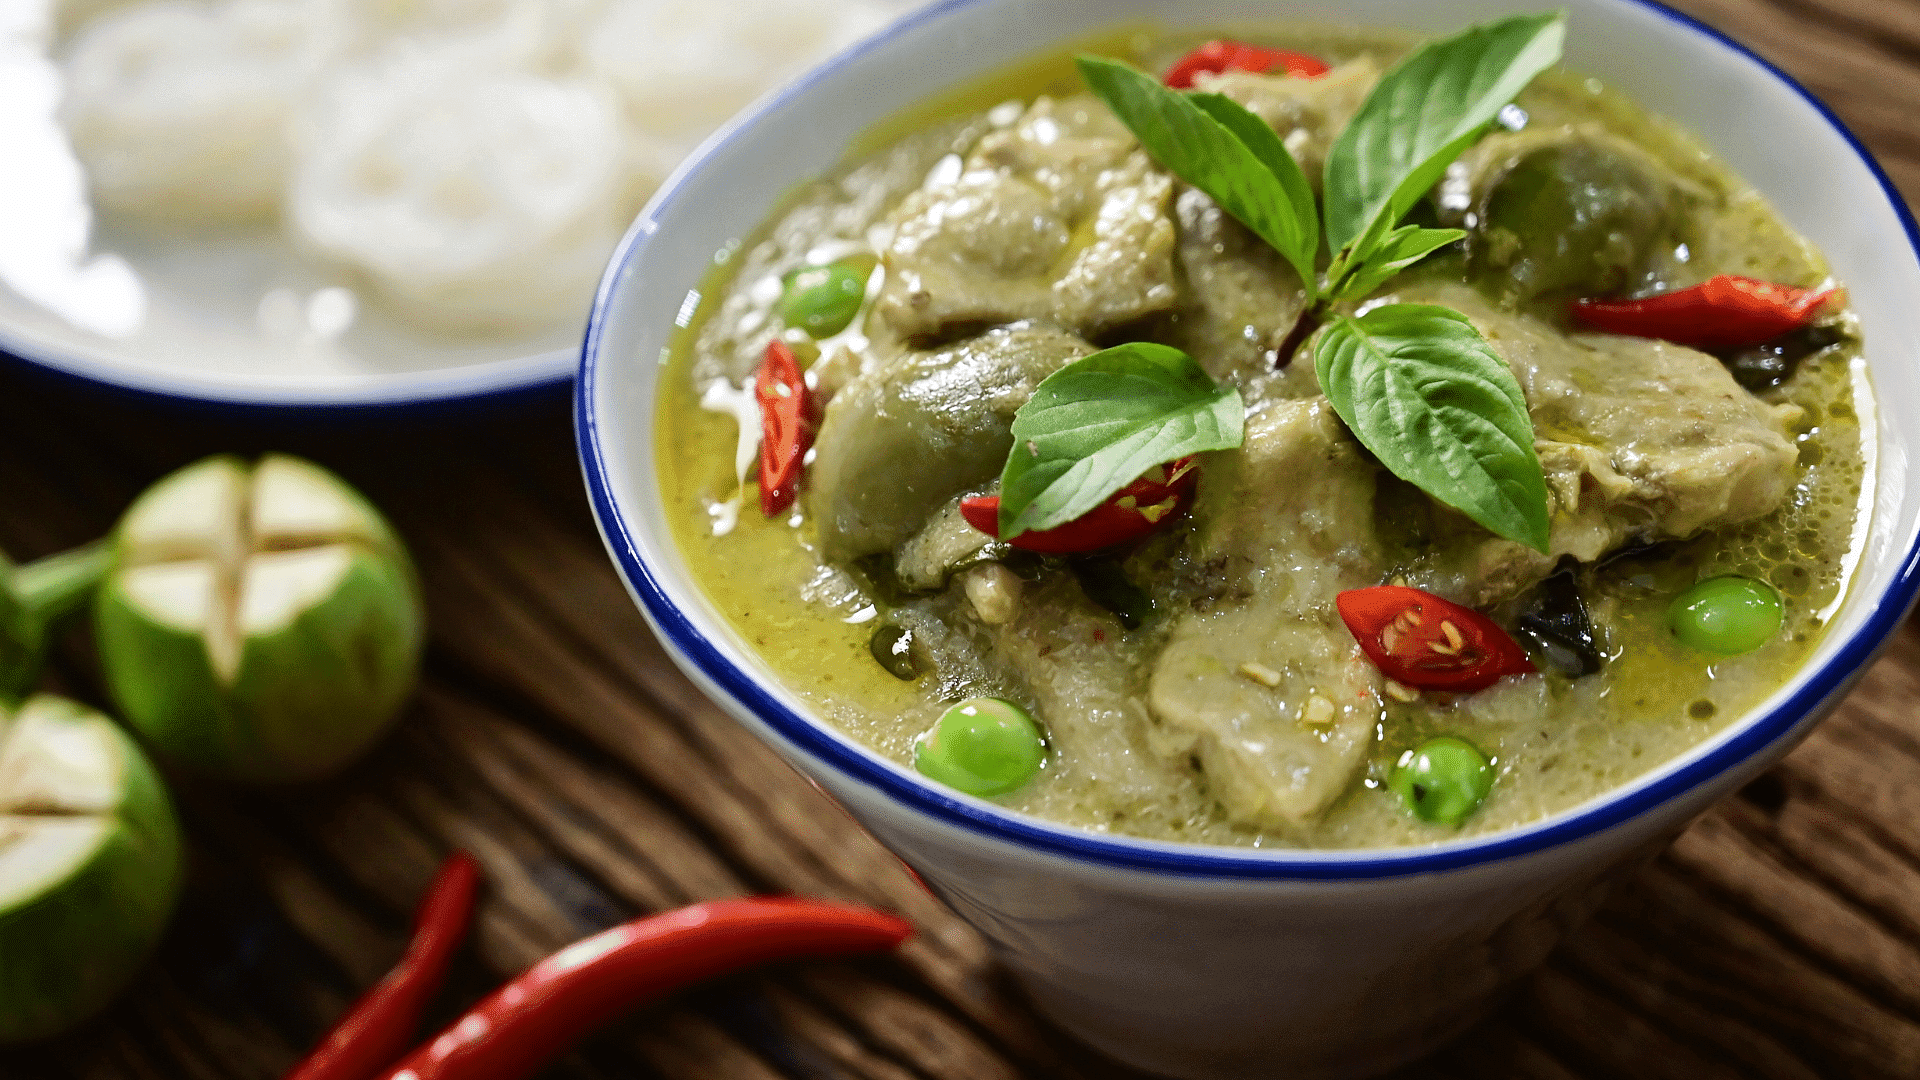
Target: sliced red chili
x=1420 y=640
x=379 y=1027
x=1217 y=56
x=1127 y=514
x=786 y=427
x=1725 y=312
x=533 y=1018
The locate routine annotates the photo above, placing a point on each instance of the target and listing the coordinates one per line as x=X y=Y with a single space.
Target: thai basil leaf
x=1424 y=391
x=1423 y=113
x=1259 y=137
x=1212 y=143
x=1402 y=247
x=1094 y=426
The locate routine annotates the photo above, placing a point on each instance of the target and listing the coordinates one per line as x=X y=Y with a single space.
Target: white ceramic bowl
x=1222 y=962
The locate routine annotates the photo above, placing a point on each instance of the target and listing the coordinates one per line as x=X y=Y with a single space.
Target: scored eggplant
x=261 y=623
x=90 y=865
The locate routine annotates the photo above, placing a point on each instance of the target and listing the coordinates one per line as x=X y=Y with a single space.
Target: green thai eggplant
x=260 y=623
x=90 y=865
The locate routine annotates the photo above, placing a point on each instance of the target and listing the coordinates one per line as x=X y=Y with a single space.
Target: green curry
x=1196 y=682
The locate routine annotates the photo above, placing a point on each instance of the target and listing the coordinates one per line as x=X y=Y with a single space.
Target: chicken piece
x=1062 y=649
x=1060 y=216
x=1266 y=686
x=910 y=433
x=1637 y=437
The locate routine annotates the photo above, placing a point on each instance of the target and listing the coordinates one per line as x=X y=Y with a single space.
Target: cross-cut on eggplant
x=261 y=622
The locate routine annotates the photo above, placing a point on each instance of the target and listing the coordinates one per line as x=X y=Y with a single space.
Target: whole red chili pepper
x=379 y=1027
x=786 y=427
x=1217 y=56
x=1132 y=512
x=1421 y=640
x=561 y=999
x=1725 y=312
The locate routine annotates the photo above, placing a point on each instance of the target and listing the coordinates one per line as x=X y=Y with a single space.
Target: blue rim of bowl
x=493 y=382
x=1159 y=857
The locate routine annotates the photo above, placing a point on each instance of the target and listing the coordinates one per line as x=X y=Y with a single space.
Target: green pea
x=1443 y=780
x=822 y=300
x=982 y=746
x=1726 y=615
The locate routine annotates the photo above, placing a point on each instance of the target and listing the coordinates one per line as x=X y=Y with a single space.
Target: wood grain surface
x=1779 y=937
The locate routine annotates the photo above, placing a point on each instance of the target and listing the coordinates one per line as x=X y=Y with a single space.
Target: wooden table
x=1779 y=937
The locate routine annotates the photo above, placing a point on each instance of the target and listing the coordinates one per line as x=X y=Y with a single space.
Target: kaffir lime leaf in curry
x=89 y=865
x=261 y=623
x=982 y=746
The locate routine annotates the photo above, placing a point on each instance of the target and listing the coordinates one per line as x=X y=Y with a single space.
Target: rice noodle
x=180 y=111
x=471 y=160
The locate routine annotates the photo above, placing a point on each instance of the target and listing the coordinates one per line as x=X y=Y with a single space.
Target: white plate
x=223 y=323
x=236 y=317
x=210 y=317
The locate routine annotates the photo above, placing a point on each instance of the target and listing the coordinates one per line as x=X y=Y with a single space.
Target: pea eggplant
x=823 y=300
x=982 y=746
x=1443 y=780
x=1727 y=616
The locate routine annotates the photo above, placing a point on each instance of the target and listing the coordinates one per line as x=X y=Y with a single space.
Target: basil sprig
x=1400 y=249
x=1422 y=115
x=1425 y=392
x=1094 y=426
x=1418 y=385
